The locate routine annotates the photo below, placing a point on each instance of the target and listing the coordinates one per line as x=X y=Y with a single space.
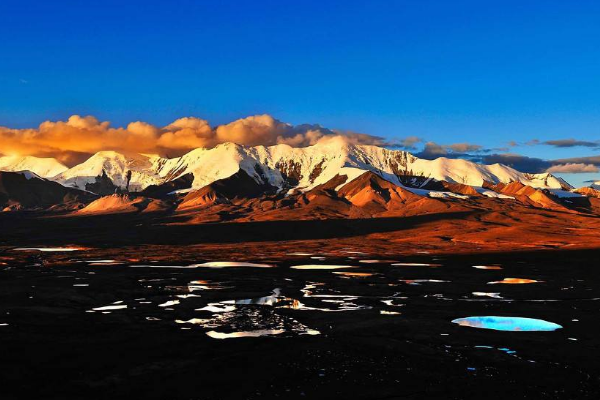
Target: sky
x=502 y=81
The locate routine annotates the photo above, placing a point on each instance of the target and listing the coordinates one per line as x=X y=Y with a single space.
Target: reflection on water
x=321 y=266
x=376 y=261
x=217 y=308
x=487 y=294
x=48 y=249
x=257 y=333
x=205 y=285
x=275 y=297
x=195 y=321
x=335 y=302
x=502 y=349
x=211 y=264
x=354 y=274
x=390 y=302
x=230 y=264
x=161 y=266
x=419 y=281
x=490 y=267
x=415 y=265
x=169 y=303
x=516 y=324
x=251 y=317
x=514 y=281
x=237 y=304
x=110 y=308
x=336 y=306
x=96 y=263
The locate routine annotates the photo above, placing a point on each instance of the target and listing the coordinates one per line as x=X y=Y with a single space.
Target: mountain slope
x=44 y=167
x=121 y=204
x=25 y=190
x=238 y=186
x=117 y=167
x=529 y=195
x=589 y=191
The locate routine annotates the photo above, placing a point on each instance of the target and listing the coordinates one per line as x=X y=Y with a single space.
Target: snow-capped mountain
x=44 y=167
x=288 y=168
x=117 y=167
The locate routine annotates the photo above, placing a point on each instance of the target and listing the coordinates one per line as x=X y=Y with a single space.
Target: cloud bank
x=566 y=143
x=433 y=150
x=573 y=168
x=74 y=140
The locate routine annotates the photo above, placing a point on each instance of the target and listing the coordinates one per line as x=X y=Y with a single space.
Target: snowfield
x=44 y=167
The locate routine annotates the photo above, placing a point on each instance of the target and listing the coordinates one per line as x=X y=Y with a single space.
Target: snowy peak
x=295 y=169
x=44 y=167
x=126 y=171
x=547 y=180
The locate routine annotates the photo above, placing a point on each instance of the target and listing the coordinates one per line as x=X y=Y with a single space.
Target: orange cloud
x=255 y=130
x=73 y=140
x=186 y=134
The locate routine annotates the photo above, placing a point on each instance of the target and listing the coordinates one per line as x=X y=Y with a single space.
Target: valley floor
x=450 y=231
x=133 y=311
x=74 y=325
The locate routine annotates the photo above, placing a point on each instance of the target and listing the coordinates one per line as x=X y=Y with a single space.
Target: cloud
x=456 y=150
x=255 y=130
x=74 y=140
x=538 y=165
x=464 y=147
x=595 y=160
x=143 y=129
x=563 y=143
x=518 y=162
x=432 y=150
x=186 y=134
x=363 y=138
x=408 y=143
x=573 y=168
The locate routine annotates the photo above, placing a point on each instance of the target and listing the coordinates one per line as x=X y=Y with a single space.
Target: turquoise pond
x=515 y=324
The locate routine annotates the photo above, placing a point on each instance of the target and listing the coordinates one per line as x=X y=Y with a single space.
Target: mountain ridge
x=292 y=168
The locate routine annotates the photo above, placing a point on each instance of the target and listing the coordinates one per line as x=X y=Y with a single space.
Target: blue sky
x=484 y=73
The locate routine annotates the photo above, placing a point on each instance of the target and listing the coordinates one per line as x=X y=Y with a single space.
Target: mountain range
x=333 y=178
